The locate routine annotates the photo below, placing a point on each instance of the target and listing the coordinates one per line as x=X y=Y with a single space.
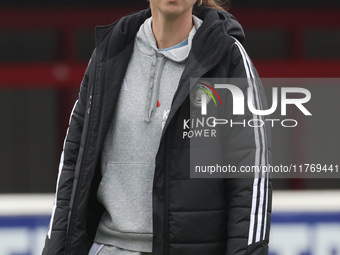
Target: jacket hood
x=228 y=21
x=234 y=28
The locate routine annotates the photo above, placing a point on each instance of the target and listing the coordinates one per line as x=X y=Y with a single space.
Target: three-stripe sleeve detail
x=259 y=206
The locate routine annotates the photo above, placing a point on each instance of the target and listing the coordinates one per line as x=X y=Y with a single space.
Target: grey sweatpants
x=101 y=249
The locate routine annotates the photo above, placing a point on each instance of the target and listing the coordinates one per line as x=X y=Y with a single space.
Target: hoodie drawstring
x=153 y=92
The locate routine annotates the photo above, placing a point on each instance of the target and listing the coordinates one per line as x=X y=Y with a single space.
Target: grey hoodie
x=128 y=158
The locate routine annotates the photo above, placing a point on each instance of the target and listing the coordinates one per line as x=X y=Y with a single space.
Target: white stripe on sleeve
x=260 y=142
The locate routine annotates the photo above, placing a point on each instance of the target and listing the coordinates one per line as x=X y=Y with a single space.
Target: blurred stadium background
x=44 y=49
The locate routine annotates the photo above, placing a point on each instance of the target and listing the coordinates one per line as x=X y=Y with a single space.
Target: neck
x=169 y=32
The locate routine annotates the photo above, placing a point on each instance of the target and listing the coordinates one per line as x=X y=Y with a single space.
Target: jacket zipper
x=166 y=191
x=166 y=206
x=88 y=111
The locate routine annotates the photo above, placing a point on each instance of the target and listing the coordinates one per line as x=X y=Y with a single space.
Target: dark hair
x=222 y=5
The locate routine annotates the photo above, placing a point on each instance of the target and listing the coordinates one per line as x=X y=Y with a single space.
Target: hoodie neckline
x=178 y=45
x=146 y=42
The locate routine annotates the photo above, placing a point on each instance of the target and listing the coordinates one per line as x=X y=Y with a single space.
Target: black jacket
x=190 y=216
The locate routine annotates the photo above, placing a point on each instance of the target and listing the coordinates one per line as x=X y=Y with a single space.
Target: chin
x=172 y=12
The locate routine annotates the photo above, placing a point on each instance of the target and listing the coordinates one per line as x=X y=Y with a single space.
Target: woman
x=124 y=184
